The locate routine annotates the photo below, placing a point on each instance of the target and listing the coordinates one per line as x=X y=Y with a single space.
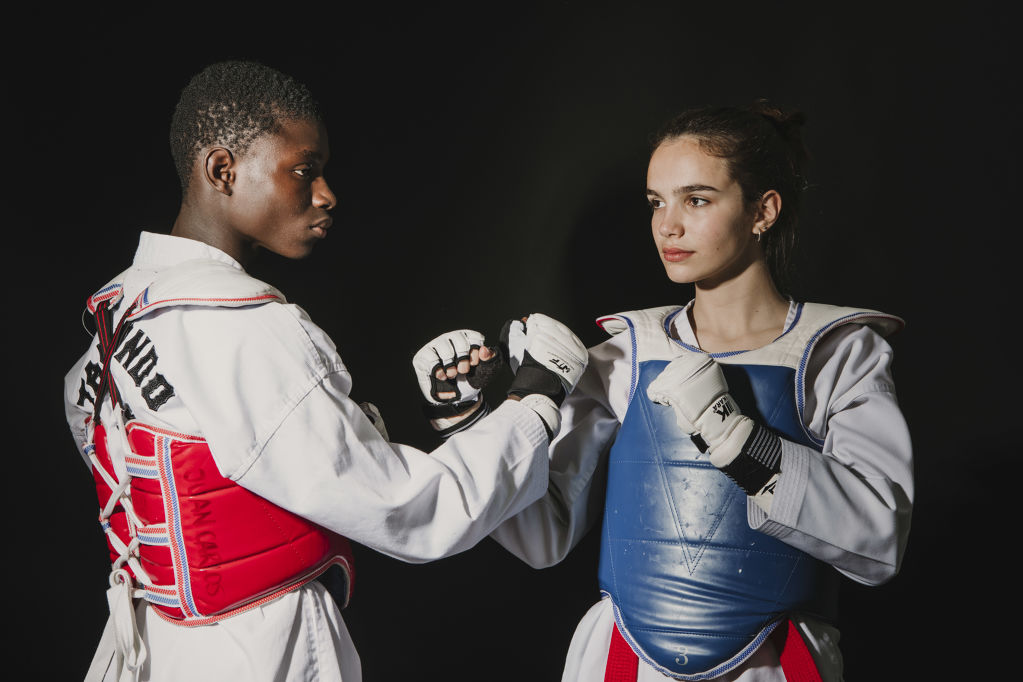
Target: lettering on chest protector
x=137 y=355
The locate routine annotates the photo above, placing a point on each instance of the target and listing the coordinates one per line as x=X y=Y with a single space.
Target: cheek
x=294 y=200
x=727 y=231
x=257 y=201
x=270 y=218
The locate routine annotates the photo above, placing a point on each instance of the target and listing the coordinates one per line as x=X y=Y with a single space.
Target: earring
x=760 y=233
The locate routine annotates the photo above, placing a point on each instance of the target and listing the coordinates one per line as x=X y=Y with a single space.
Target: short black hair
x=232 y=103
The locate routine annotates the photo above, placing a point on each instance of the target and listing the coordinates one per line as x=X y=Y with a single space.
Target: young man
x=230 y=463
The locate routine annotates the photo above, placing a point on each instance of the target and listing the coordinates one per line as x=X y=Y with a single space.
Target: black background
x=490 y=161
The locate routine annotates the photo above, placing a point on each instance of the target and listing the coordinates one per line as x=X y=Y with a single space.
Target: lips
x=320 y=228
x=673 y=255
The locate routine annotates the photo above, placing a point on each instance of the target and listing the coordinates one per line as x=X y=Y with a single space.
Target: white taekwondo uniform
x=268 y=391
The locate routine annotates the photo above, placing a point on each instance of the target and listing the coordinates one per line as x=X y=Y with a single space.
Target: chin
x=678 y=276
x=304 y=249
x=294 y=253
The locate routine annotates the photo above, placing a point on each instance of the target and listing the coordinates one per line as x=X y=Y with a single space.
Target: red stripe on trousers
x=622 y=662
x=796 y=660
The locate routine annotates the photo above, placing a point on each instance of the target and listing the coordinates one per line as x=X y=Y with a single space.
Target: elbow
x=542 y=561
x=534 y=557
x=426 y=553
x=903 y=521
x=887 y=564
x=872 y=572
x=534 y=552
x=878 y=575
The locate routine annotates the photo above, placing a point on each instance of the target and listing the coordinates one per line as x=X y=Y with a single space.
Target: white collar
x=683 y=329
x=158 y=251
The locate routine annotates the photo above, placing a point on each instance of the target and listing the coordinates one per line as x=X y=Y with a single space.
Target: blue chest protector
x=695 y=589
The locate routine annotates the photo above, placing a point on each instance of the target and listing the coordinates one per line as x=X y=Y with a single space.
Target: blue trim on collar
x=726 y=354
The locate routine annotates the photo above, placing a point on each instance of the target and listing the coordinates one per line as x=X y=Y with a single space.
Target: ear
x=768 y=210
x=219 y=169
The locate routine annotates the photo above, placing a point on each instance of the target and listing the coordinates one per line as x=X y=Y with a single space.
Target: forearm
x=851 y=504
x=545 y=532
x=398 y=500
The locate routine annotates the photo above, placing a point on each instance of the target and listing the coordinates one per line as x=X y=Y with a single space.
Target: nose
x=323 y=196
x=668 y=223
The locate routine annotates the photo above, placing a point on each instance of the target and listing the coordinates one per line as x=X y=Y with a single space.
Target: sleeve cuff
x=788 y=496
x=526 y=419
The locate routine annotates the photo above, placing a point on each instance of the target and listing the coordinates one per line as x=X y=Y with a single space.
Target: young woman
x=752 y=446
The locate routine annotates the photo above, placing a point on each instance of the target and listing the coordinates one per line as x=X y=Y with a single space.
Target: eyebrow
x=310 y=155
x=687 y=189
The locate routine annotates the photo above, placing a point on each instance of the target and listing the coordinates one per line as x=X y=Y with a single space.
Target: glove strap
x=532 y=377
x=758 y=462
x=448 y=410
x=446 y=427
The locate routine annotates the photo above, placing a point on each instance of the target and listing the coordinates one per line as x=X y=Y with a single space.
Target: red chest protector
x=197 y=546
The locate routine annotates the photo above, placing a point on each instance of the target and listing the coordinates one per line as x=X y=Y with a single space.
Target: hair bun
x=788 y=124
x=791 y=120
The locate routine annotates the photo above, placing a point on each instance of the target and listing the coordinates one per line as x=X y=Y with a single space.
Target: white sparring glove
x=745 y=451
x=548 y=361
x=456 y=403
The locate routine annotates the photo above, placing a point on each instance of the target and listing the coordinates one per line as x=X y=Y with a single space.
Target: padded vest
x=695 y=590
x=197 y=546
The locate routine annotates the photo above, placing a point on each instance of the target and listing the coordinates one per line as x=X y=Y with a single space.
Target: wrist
x=729 y=440
x=532 y=378
x=755 y=464
x=546 y=409
x=448 y=425
x=452 y=411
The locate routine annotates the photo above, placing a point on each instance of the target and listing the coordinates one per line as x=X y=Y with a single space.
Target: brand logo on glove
x=560 y=364
x=723 y=407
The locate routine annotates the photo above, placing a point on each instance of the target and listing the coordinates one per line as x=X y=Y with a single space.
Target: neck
x=204 y=226
x=742 y=313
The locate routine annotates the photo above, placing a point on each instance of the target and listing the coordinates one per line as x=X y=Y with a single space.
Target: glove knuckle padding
x=441 y=352
x=705 y=386
x=695 y=387
x=545 y=356
x=556 y=348
x=447 y=353
x=462 y=342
